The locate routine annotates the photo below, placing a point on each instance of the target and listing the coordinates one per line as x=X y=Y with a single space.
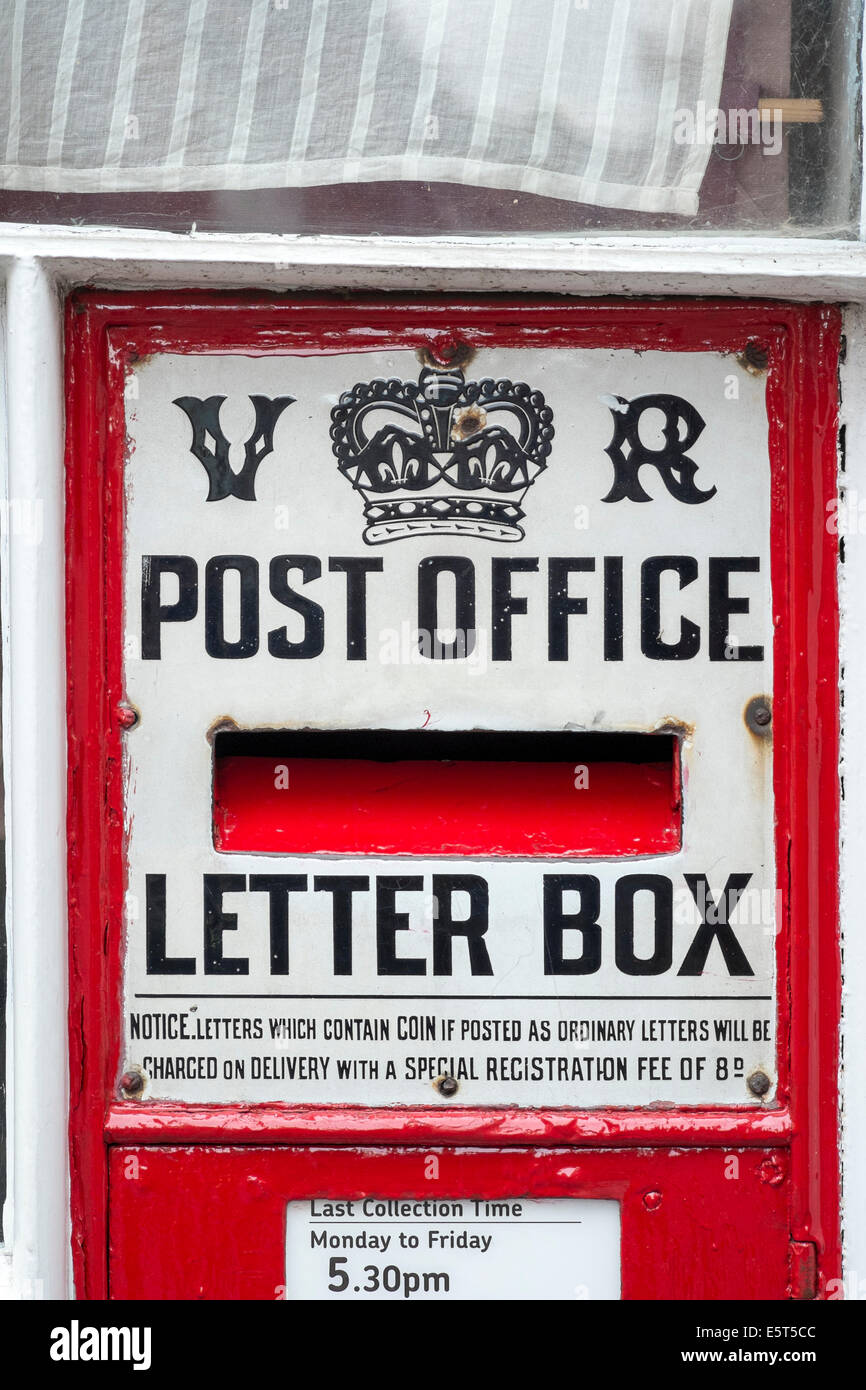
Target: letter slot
x=481 y=793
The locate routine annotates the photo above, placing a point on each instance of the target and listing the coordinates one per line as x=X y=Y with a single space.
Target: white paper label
x=401 y=1249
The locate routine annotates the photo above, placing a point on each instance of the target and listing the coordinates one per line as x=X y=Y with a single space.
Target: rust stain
x=223 y=724
x=670 y=724
x=758 y=718
x=468 y=422
x=448 y=350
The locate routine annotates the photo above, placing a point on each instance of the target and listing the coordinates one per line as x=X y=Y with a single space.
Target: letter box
x=452 y=799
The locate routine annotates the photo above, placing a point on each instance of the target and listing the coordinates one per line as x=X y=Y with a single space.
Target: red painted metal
x=264 y=1124
x=94 y=520
x=352 y=806
x=703 y=1215
x=803 y=405
x=695 y=1224
x=804 y=1270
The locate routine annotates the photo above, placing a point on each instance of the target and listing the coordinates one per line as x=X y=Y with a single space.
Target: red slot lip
x=441 y=809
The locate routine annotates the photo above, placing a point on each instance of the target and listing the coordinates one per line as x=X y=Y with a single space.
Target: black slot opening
x=445 y=745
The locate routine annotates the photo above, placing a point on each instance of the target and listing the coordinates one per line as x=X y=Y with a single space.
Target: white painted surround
x=40 y=265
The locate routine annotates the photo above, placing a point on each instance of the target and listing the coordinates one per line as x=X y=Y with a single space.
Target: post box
x=452 y=798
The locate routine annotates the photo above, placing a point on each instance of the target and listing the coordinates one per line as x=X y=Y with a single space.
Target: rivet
x=132 y=1083
x=447 y=1086
x=652 y=1200
x=759 y=1083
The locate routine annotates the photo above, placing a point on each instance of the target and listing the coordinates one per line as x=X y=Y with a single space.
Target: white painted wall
x=34 y=698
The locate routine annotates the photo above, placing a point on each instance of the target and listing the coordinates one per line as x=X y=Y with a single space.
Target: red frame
x=107 y=331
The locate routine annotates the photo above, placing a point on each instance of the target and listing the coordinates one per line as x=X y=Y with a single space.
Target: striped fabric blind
x=572 y=99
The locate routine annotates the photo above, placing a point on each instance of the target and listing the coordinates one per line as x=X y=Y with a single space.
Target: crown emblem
x=442 y=455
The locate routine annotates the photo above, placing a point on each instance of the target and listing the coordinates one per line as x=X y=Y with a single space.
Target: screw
x=772 y=1172
x=756 y=356
x=131 y=1083
x=758 y=715
x=447 y=350
x=759 y=1083
x=127 y=715
x=447 y=1086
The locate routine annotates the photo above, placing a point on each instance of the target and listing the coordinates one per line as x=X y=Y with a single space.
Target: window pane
x=559 y=117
